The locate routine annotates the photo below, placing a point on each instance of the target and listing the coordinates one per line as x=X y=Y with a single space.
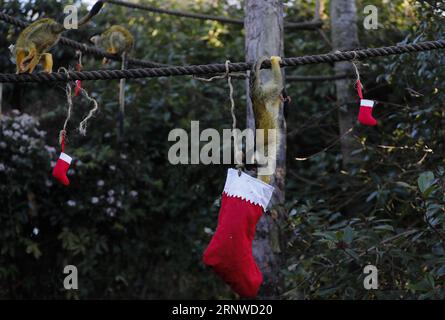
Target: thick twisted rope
x=310 y=25
x=83 y=47
x=318 y=78
x=221 y=68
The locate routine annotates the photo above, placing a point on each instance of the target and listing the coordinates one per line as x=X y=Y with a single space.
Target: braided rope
x=221 y=68
x=318 y=78
x=83 y=47
x=310 y=25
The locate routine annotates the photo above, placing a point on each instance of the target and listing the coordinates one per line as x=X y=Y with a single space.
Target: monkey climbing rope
x=83 y=47
x=145 y=63
x=220 y=68
x=309 y=25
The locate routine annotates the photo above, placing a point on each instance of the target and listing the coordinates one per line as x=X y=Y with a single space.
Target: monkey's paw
x=288 y=99
x=275 y=59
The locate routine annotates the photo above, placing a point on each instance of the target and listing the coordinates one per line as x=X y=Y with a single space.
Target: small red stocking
x=230 y=251
x=62 y=165
x=61 y=168
x=365 y=114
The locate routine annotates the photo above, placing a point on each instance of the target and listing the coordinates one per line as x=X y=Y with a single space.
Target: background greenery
x=136 y=226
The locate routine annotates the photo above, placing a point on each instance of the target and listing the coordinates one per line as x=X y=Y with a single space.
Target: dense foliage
x=136 y=226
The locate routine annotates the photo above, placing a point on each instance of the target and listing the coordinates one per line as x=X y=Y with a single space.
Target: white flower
x=134 y=193
x=119 y=204
x=111 y=193
x=110 y=211
x=3 y=145
x=50 y=149
x=123 y=156
x=53 y=164
x=15 y=126
x=112 y=168
x=110 y=200
x=35 y=231
x=70 y=172
x=94 y=200
x=48 y=183
x=40 y=133
x=2 y=167
x=71 y=203
x=8 y=133
x=100 y=183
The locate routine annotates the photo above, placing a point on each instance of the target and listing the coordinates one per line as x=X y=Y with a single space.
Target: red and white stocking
x=365 y=114
x=230 y=251
x=61 y=169
x=62 y=165
x=366 y=106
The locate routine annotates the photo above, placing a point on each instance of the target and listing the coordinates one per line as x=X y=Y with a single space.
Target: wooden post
x=264 y=37
x=1 y=98
x=345 y=37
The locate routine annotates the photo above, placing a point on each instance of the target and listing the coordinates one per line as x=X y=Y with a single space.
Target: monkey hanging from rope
x=39 y=37
x=117 y=40
x=266 y=100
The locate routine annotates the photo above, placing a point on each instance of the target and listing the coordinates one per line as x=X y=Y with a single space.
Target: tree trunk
x=344 y=37
x=264 y=37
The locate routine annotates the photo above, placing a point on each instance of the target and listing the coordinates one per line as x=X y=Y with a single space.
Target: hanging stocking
x=230 y=251
x=365 y=114
x=63 y=163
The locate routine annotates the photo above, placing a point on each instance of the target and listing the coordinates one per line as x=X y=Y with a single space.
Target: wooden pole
x=264 y=37
x=345 y=37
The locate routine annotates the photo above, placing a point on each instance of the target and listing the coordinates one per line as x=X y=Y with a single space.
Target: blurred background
x=136 y=226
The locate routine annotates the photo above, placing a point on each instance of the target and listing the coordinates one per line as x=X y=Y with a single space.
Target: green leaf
x=425 y=181
x=384 y=227
x=372 y=196
x=404 y=185
x=348 y=235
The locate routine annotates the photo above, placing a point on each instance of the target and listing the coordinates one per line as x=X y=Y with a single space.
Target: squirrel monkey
x=115 y=40
x=39 y=37
x=266 y=99
x=119 y=41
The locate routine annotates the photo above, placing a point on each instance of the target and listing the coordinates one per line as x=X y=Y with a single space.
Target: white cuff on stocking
x=366 y=103
x=65 y=157
x=248 y=188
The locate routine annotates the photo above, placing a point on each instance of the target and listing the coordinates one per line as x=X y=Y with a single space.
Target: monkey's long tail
x=121 y=116
x=93 y=12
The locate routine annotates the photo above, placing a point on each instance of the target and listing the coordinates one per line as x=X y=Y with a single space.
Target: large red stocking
x=230 y=251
